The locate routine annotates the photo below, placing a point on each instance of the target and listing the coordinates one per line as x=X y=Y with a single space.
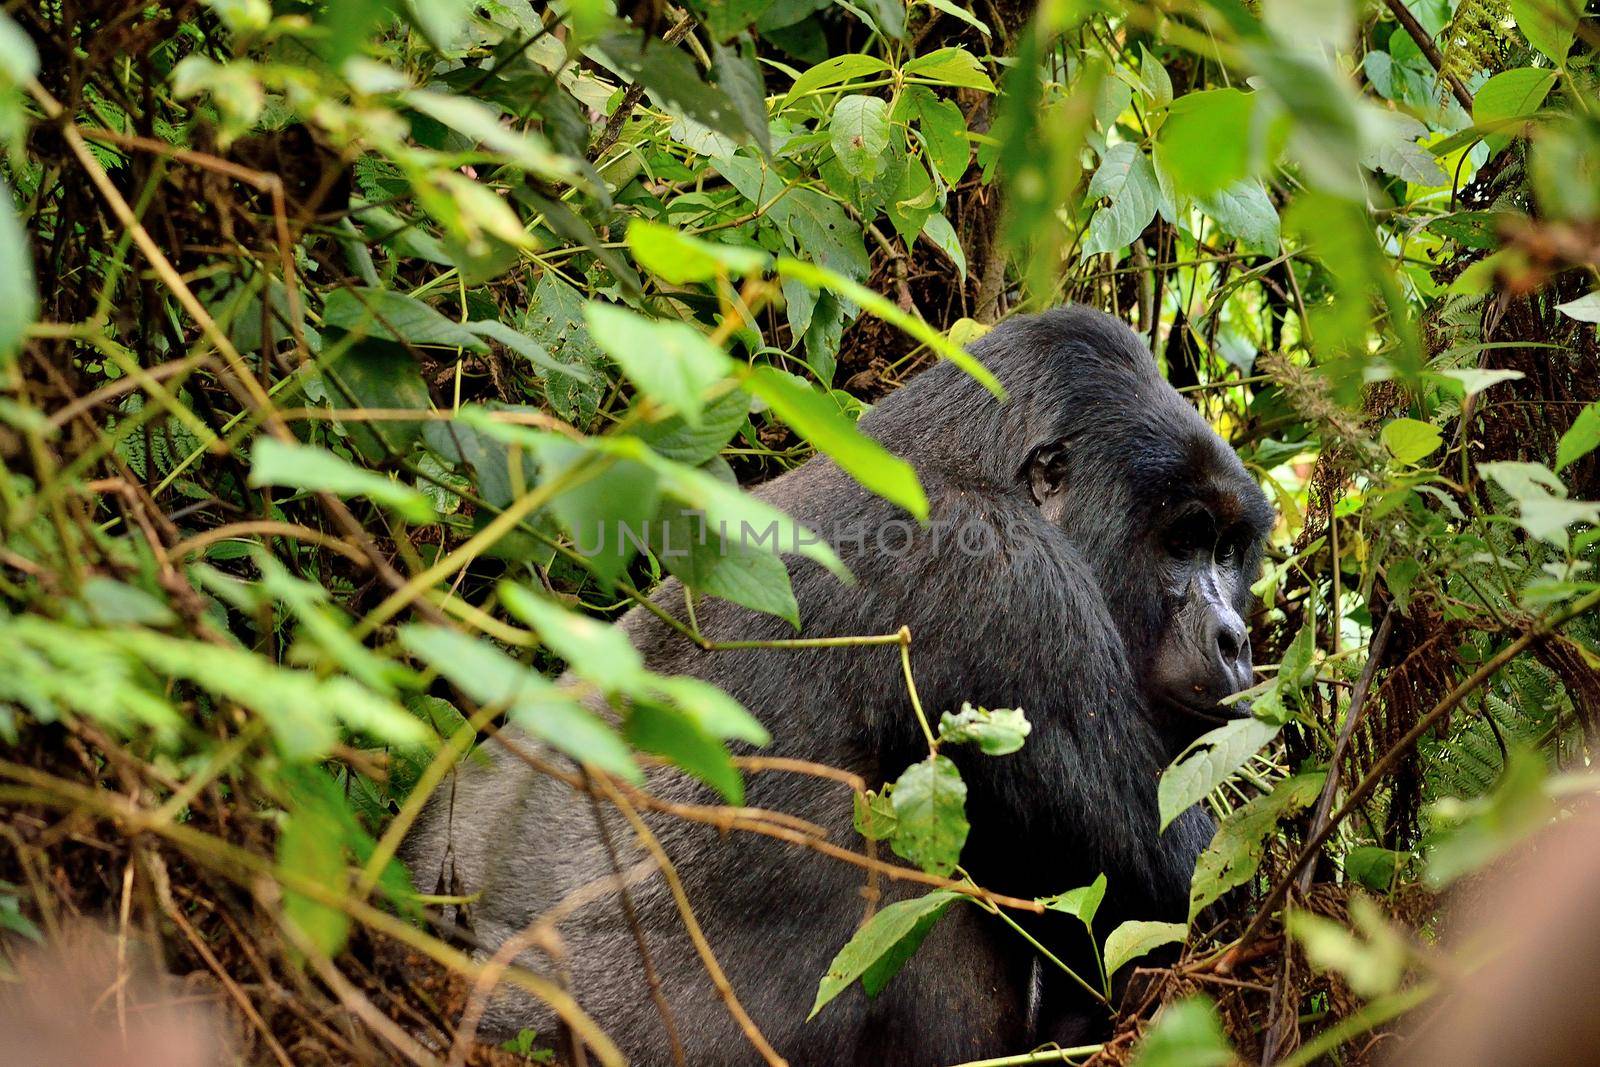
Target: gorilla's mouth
x=1213 y=714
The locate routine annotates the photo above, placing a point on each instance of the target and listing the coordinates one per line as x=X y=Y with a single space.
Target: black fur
x=1061 y=619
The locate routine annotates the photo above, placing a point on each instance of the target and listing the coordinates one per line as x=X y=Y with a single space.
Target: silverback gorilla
x=1121 y=536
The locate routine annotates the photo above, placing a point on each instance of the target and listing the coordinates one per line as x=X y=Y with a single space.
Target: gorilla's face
x=1208 y=558
x=1172 y=527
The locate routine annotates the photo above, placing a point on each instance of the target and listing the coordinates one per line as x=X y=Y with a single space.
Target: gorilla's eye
x=1192 y=532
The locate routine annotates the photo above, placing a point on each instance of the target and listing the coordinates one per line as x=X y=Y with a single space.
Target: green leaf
x=678 y=258
x=1581 y=438
x=961 y=13
x=1235 y=851
x=943 y=129
x=1541 y=500
x=605 y=515
x=1205 y=142
x=1082 y=903
x=1391 y=146
x=820 y=229
x=311 y=847
x=1374 y=867
x=1510 y=95
x=1410 y=440
x=674 y=438
x=671 y=362
x=379 y=374
x=996 y=733
x=1548 y=25
x=930 y=808
x=19 y=303
x=1136 y=938
x=1585 y=308
x=1186 y=1034
x=671 y=734
x=937 y=229
x=394 y=316
x=1372 y=964
x=598 y=652
x=1208 y=762
x=298 y=466
x=1127 y=178
x=1154 y=77
x=1245 y=210
x=19 y=60
x=673 y=81
x=527 y=347
x=833 y=72
x=479 y=122
x=490 y=677
x=859 y=134
x=883 y=945
x=1476 y=380
x=874 y=816
x=950 y=66
x=817 y=418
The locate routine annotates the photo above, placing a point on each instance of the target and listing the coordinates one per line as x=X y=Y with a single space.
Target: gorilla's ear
x=1046 y=475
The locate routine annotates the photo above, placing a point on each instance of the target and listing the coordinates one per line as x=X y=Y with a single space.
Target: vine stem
x=1054 y=1055
x=904 y=637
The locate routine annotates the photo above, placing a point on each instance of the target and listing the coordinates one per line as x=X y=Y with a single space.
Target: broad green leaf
x=297 y=466
x=527 y=347
x=1126 y=177
x=950 y=66
x=113 y=603
x=1476 y=380
x=1510 y=95
x=714 y=711
x=606 y=515
x=996 y=733
x=477 y=121
x=1186 y=1034
x=1585 y=308
x=883 y=945
x=1372 y=958
x=490 y=677
x=671 y=362
x=1235 y=851
x=1208 y=762
x=930 y=808
x=739 y=76
x=1136 y=938
x=597 y=652
x=937 y=229
x=673 y=81
x=1410 y=440
x=859 y=134
x=1245 y=210
x=394 y=316
x=817 y=418
x=678 y=258
x=874 y=816
x=1581 y=438
x=833 y=72
x=1548 y=25
x=19 y=303
x=1391 y=139
x=379 y=374
x=942 y=128
x=311 y=847
x=1541 y=500
x=1205 y=142
x=1154 y=77
x=1374 y=867
x=712 y=565
x=819 y=227
x=671 y=734
x=674 y=438
x=1082 y=903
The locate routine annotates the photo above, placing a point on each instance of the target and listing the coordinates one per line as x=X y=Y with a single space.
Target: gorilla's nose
x=1229 y=638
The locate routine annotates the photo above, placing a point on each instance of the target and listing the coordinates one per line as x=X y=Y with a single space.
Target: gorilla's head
x=1153 y=501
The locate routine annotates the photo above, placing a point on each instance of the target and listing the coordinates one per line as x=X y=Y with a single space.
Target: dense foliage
x=328 y=332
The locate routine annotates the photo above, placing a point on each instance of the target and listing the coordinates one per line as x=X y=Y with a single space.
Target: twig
x=1425 y=44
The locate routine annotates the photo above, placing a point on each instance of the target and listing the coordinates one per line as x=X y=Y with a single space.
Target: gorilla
x=1120 y=537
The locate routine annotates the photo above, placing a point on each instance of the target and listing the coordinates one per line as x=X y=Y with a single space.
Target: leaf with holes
x=1209 y=762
